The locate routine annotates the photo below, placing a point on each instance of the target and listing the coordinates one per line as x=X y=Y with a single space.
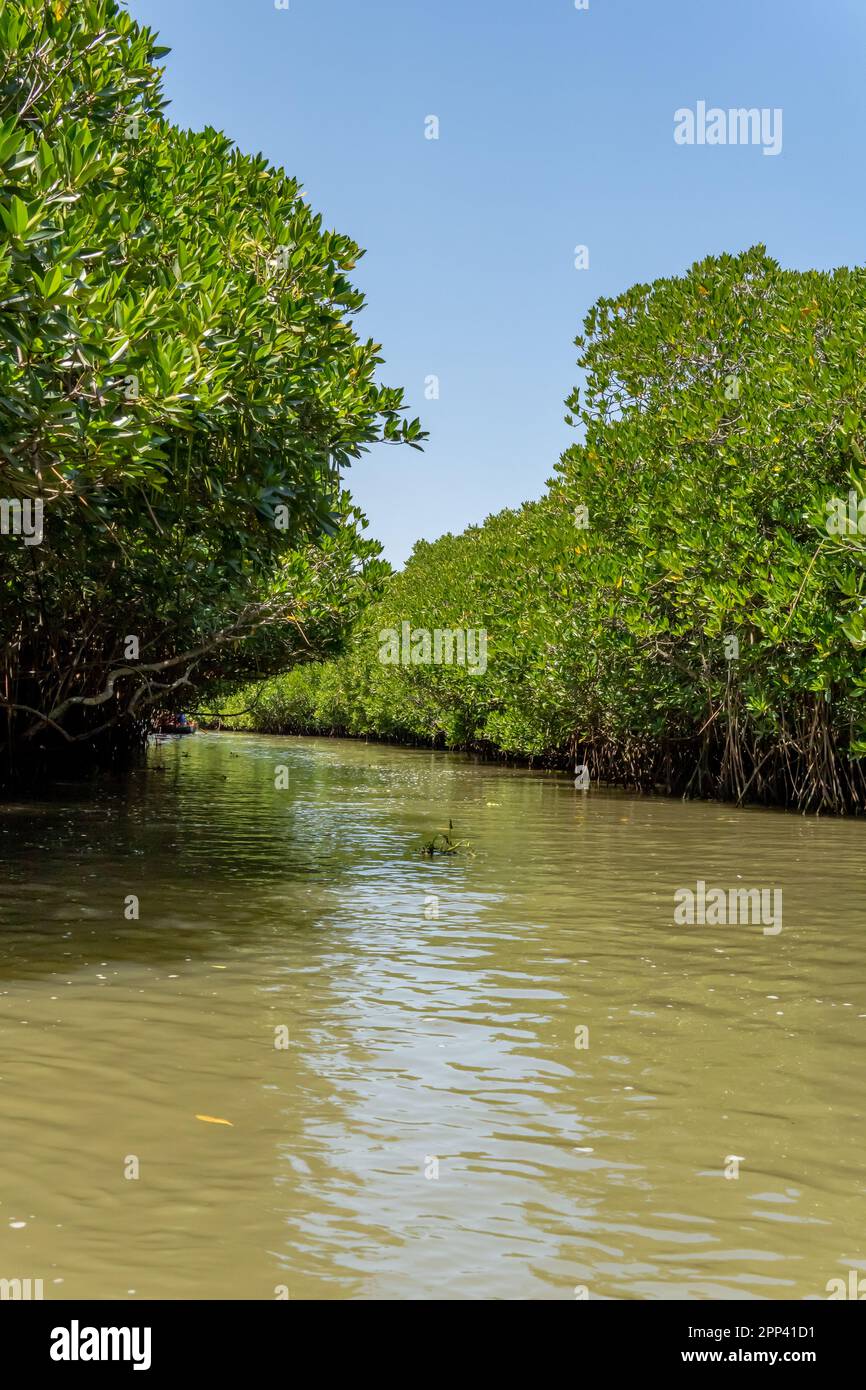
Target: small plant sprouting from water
x=443 y=843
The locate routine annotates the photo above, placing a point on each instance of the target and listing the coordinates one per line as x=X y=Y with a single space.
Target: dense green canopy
x=181 y=389
x=678 y=609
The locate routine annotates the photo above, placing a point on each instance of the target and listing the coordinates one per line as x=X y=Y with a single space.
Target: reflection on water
x=431 y=1009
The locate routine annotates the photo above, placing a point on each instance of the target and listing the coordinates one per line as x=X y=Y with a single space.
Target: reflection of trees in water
x=204 y=850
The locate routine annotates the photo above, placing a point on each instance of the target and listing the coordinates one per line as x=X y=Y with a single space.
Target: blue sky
x=556 y=129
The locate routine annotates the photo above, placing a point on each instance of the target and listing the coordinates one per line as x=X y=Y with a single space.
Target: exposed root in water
x=803 y=764
x=442 y=843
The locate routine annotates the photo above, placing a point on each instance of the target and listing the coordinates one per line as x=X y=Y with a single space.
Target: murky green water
x=417 y=1039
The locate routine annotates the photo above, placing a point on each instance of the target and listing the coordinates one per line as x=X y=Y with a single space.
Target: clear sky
x=556 y=130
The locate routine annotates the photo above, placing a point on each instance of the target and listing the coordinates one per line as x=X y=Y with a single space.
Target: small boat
x=167 y=725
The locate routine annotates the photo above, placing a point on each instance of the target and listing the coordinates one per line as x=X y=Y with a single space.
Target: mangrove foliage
x=181 y=390
x=684 y=608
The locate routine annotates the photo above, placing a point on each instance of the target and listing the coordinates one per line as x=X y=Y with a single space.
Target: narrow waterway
x=505 y=1073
